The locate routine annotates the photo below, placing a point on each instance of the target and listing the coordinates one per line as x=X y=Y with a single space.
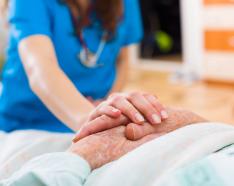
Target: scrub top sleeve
x=134 y=27
x=28 y=17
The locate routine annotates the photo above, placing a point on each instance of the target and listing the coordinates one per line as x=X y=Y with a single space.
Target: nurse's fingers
x=120 y=102
x=104 y=109
x=100 y=124
x=136 y=132
x=145 y=107
x=153 y=100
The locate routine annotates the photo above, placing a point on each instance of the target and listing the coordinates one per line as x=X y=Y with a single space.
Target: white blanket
x=146 y=165
x=19 y=147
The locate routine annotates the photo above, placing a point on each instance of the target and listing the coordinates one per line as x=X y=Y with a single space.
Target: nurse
x=62 y=54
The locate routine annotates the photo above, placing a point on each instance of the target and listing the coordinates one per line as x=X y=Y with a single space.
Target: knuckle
x=112 y=95
x=150 y=113
x=104 y=119
x=92 y=115
x=158 y=104
x=116 y=99
x=148 y=95
x=102 y=110
x=160 y=107
x=134 y=94
x=87 y=129
x=102 y=106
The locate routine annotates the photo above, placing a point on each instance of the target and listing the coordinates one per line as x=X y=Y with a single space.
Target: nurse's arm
x=122 y=70
x=50 y=83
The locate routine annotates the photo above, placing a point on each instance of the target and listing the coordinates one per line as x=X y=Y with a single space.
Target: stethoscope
x=86 y=56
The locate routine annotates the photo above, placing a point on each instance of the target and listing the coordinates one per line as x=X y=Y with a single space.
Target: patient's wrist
x=84 y=153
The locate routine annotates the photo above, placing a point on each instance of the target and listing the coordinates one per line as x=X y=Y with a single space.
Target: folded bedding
x=154 y=163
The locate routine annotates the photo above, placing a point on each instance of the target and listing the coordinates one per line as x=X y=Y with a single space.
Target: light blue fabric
x=215 y=170
x=19 y=106
x=186 y=157
x=58 y=169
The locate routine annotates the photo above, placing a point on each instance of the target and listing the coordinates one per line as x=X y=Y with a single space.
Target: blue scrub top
x=20 y=108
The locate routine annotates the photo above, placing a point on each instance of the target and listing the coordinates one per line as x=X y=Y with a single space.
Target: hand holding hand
x=178 y=118
x=121 y=109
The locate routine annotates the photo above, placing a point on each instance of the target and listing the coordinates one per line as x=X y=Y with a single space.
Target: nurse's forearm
x=122 y=71
x=50 y=83
x=58 y=93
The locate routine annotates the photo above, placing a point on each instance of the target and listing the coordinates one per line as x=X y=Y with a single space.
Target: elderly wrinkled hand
x=102 y=148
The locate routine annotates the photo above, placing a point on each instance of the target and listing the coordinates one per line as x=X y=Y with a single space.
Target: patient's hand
x=107 y=146
x=177 y=118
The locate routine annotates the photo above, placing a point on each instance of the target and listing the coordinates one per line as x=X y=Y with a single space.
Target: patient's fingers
x=136 y=132
x=98 y=125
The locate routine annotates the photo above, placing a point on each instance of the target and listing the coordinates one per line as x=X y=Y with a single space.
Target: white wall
x=192 y=35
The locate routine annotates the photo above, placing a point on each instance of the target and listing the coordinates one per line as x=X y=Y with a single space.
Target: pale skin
x=107 y=146
x=177 y=118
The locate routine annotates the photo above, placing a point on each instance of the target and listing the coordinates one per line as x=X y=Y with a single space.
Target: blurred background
x=186 y=57
x=3 y=40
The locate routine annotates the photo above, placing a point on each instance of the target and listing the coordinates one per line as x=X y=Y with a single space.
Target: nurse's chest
x=68 y=46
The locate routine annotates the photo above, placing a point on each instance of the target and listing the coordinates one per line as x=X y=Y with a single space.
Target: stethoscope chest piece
x=87 y=58
x=90 y=59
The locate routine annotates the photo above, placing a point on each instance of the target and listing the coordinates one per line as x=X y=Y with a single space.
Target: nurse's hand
x=138 y=107
x=121 y=109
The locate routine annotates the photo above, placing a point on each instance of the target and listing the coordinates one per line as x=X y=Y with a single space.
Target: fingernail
x=76 y=139
x=156 y=119
x=139 y=117
x=115 y=110
x=153 y=97
x=164 y=114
